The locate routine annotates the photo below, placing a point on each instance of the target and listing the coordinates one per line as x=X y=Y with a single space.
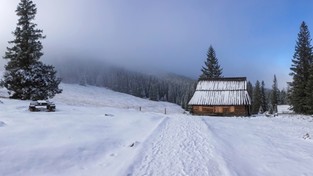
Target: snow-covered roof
x=221 y=91
x=221 y=85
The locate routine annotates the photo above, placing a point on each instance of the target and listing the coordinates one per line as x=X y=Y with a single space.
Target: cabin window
x=225 y=110
x=232 y=109
x=218 y=110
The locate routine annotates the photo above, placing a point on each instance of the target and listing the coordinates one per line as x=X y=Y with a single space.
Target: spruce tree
x=25 y=76
x=212 y=68
x=274 y=94
x=300 y=71
x=257 y=99
x=263 y=97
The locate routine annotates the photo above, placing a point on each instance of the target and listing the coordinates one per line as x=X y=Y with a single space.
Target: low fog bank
x=152 y=85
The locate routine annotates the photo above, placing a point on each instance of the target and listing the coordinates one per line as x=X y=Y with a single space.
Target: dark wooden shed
x=221 y=97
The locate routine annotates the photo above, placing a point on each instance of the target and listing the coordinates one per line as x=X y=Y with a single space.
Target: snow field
x=63 y=144
x=87 y=137
x=95 y=131
x=264 y=146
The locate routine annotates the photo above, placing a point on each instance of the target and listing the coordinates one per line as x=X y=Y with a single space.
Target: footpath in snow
x=182 y=146
x=215 y=146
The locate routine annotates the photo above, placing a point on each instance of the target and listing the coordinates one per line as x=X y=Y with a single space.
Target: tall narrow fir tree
x=212 y=68
x=263 y=97
x=25 y=76
x=274 y=94
x=300 y=71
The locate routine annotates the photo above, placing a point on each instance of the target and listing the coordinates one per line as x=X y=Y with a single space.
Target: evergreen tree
x=283 y=100
x=257 y=99
x=212 y=68
x=274 y=94
x=25 y=76
x=263 y=97
x=300 y=71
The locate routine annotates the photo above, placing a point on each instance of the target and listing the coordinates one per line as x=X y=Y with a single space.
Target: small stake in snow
x=134 y=144
x=164 y=110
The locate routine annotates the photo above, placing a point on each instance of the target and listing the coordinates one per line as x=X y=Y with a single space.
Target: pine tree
x=257 y=99
x=300 y=71
x=274 y=94
x=25 y=76
x=212 y=68
x=263 y=97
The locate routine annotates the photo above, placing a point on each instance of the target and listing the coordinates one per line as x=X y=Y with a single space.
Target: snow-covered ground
x=96 y=131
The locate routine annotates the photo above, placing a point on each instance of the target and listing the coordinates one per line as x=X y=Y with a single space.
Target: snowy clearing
x=96 y=131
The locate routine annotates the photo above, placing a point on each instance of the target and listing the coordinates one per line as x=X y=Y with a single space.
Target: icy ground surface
x=99 y=132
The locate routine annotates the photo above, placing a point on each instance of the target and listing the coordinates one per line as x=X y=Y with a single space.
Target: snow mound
x=3 y=93
x=284 y=109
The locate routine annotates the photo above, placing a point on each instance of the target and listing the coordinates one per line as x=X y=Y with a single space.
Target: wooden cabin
x=221 y=97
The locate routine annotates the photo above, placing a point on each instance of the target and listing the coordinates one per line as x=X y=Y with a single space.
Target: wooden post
x=165 y=111
x=139 y=108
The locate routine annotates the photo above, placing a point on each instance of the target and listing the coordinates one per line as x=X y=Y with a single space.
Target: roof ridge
x=222 y=90
x=224 y=79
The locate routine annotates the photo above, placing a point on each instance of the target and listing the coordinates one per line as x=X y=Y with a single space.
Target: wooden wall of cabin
x=221 y=110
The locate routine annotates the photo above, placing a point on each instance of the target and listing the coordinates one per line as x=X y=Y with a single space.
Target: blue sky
x=252 y=38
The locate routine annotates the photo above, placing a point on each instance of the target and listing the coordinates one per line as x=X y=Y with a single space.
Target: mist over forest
x=158 y=87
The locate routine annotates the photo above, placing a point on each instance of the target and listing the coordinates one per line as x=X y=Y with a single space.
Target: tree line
x=264 y=99
x=166 y=87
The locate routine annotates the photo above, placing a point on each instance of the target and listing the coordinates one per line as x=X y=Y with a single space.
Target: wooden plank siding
x=220 y=110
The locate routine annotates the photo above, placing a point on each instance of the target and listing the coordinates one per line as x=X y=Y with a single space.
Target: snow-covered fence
x=163 y=110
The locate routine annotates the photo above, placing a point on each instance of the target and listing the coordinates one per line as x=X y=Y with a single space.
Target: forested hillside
x=166 y=87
